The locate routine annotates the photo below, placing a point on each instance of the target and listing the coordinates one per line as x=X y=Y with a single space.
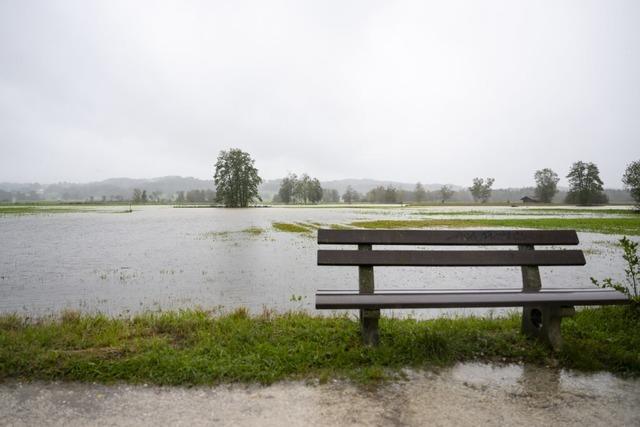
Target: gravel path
x=467 y=394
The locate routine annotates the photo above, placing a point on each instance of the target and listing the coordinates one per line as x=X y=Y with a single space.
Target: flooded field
x=160 y=258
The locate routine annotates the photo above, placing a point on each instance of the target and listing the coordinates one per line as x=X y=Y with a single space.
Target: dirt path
x=469 y=394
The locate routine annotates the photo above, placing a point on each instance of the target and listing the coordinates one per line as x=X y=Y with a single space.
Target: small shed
x=527 y=199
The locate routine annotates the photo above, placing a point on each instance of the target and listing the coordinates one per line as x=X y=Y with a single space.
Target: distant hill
x=110 y=189
x=167 y=187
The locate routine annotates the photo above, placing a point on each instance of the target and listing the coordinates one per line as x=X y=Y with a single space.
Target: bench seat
x=457 y=298
x=542 y=309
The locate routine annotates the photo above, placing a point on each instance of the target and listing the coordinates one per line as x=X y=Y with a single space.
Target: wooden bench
x=543 y=309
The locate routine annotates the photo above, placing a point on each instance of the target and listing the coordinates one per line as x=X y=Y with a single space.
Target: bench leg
x=368 y=317
x=543 y=323
x=369 y=326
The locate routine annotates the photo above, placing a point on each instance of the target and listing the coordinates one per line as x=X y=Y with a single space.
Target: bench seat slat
x=427 y=299
x=455 y=291
x=448 y=237
x=438 y=258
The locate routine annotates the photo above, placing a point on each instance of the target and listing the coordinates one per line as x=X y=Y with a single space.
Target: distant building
x=527 y=199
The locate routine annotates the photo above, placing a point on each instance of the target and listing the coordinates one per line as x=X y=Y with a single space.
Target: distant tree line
x=196 y=196
x=391 y=195
x=141 y=196
x=237 y=181
x=585 y=185
x=301 y=190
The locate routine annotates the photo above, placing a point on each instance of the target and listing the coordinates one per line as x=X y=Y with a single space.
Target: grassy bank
x=290 y=227
x=627 y=226
x=195 y=347
x=34 y=210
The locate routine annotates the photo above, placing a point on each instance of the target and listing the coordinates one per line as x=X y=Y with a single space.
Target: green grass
x=30 y=210
x=289 y=227
x=197 y=347
x=529 y=211
x=627 y=226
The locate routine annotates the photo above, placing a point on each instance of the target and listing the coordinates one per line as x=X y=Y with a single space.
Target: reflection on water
x=471 y=394
x=542 y=383
x=165 y=258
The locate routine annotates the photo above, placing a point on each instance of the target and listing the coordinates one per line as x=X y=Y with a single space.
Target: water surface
x=160 y=258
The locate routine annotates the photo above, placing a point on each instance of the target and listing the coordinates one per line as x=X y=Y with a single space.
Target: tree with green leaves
x=546 y=184
x=585 y=185
x=446 y=193
x=481 y=190
x=631 y=181
x=287 y=187
x=236 y=179
x=419 y=194
x=381 y=194
x=137 y=195
x=315 y=190
x=300 y=190
x=303 y=188
x=350 y=195
x=307 y=189
x=330 y=195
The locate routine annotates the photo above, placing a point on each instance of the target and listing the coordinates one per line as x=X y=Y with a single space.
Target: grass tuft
x=291 y=227
x=254 y=231
x=197 y=347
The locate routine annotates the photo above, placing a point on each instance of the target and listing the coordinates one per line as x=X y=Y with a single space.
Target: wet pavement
x=467 y=394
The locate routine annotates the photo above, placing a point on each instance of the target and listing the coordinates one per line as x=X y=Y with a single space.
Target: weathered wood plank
x=458 y=291
x=448 y=237
x=450 y=258
x=427 y=299
x=531 y=282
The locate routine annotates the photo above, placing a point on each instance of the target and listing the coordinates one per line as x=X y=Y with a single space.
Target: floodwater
x=160 y=258
x=465 y=395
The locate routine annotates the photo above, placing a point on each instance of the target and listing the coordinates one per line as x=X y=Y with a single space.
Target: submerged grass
x=197 y=347
x=254 y=231
x=628 y=226
x=290 y=227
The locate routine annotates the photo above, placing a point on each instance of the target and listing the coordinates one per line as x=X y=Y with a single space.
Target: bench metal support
x=545 y=323
x=368 y=317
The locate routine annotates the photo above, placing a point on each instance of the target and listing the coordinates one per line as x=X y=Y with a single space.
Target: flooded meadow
x=164 y=258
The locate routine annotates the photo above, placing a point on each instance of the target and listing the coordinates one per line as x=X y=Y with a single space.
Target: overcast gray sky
x=409 y=91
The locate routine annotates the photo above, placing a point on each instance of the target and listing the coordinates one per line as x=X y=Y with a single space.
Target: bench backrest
x=525 y=240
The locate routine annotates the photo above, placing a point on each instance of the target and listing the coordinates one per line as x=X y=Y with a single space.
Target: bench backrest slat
x=452 y=258
x=448 y=237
